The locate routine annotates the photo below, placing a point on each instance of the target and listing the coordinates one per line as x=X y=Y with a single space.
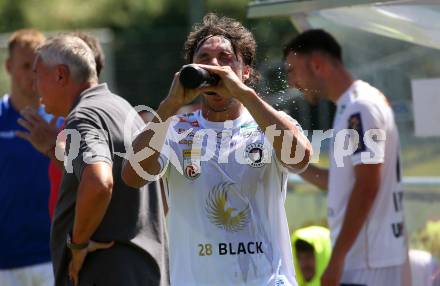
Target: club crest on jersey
x=256 y=155
x=191 y=163
x=227 y=210
x=355 y=123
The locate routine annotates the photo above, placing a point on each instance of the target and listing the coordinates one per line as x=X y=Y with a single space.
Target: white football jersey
x=226 y=193
x=381 y=242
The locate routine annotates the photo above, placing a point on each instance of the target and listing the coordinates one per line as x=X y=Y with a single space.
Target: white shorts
x=35 y=275
x=386 y=276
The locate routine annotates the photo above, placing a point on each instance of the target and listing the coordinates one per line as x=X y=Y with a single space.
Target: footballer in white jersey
x=381 y=241
x=365 y=211
x=224 y=166
x=226 y=197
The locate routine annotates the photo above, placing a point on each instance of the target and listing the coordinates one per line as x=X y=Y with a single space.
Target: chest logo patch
x=227 y=210
x=191 y=163
x=256 y=155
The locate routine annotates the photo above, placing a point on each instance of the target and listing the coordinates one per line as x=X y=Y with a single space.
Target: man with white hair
x=94 y=204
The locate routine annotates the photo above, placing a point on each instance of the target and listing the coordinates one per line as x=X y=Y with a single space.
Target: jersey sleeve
x=90 y=143
x=367 y=121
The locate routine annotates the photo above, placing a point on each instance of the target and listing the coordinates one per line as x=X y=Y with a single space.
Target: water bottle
x=193 y=76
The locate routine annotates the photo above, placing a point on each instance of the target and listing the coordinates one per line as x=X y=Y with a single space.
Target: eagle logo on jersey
x=222 y=213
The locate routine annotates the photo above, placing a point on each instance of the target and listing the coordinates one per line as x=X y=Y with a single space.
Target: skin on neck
x=73 y=92
x=338 y=81
x=231 y=112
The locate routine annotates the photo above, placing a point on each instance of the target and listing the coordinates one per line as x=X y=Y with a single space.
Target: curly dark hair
x=241 y=39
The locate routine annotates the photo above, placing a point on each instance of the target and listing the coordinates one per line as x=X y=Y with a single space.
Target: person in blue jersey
x=24 y=220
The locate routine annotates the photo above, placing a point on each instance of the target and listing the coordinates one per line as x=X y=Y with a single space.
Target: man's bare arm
x=359 y=205
x=150 y=164
x=316 y=176
x=94 y=195
x=265 y=115
x=177 y=97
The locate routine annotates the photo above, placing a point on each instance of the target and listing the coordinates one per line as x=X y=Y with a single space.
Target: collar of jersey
x=97 y=89
x=345 y=98
x=239 y=121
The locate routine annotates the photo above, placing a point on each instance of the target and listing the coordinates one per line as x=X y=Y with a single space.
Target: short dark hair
x=303 y=246
x=312 y=41
x=96 y=48
x=242 y=40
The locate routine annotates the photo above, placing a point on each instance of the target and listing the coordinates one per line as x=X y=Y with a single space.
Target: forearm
x=92 y=201
x=143 y=143
x=316 y=176
x=266 y=116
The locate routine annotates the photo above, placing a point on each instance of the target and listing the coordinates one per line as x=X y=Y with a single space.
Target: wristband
x=75 y=246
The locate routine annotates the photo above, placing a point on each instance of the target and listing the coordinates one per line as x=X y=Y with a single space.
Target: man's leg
x=119 y=265
x=387 y=276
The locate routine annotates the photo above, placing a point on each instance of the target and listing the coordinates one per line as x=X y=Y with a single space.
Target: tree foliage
x=149 y=34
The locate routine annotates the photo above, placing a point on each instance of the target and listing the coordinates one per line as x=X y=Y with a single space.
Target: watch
x=75 y=246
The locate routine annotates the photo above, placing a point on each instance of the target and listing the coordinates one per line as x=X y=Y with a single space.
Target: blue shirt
x=24 y=193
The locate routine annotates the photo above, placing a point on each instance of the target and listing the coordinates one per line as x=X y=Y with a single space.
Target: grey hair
x=72 y=52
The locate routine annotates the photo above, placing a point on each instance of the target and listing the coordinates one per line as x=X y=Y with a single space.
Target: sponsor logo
x=181 y=130
x=192 y=153
x=256 y=155
x=191 y=163
x=281 y=280
x=188 y=142
x=185 y=119
x=250 y=133
x=188 y=115
x=249 y=126
x=250 y=130
x=192 y=171
x=238 y=248
x=226 y=210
